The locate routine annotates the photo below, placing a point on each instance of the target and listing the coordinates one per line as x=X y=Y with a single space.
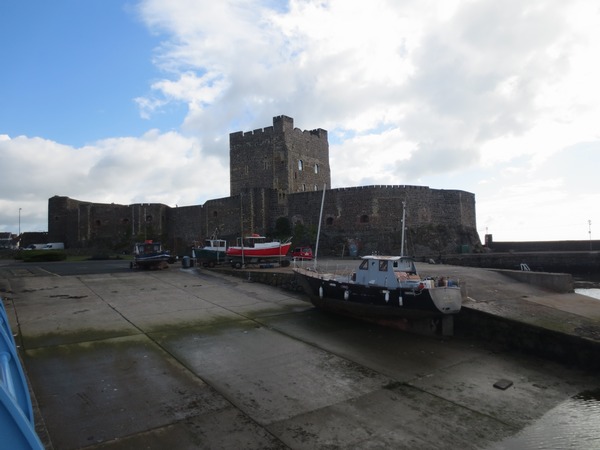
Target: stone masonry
x=279 y=172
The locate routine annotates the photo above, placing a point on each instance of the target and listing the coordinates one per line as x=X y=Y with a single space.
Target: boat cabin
x=387 y=271
x=218 y=245
x=255 y=241
x=147 y=247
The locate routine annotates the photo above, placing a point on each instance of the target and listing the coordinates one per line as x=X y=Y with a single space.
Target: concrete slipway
x=187 y=358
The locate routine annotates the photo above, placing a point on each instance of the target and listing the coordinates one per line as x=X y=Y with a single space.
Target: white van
x=35 y=246
x=54 y=246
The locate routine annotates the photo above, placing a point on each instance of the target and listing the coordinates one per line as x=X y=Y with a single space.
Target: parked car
x=302 y=253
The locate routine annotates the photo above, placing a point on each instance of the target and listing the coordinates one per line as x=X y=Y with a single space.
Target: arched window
x=215 y=213
x=329 y=221
x=364 y=219
x=300 y=164
x=316 y=168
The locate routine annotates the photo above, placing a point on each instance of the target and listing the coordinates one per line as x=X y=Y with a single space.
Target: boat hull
x=378 y=302
x=210 y=257
x=266 y=252
x=151 y=261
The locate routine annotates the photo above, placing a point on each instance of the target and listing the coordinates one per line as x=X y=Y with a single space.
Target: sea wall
x=575 y=263
x=556 y=282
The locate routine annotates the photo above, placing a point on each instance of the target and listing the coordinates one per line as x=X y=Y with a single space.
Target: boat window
x=364 y=265
x=383 y=265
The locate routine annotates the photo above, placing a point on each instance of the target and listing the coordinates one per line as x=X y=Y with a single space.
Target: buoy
x=346 y=295
x=321 y=292
x=387 y=296
x=400 y=300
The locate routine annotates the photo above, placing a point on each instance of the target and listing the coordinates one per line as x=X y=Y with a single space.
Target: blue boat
x=16 y=413
x=150 y=255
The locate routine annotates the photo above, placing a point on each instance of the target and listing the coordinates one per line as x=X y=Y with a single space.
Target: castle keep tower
x=280 y=157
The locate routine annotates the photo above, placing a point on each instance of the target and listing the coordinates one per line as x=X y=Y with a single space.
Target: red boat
x=256 y=246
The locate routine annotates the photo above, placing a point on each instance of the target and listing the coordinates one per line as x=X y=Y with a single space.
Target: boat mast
x=403 y=217
x=242 y=225
x=319 y=228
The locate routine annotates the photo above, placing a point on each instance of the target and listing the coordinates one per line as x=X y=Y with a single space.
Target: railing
x=16 y=413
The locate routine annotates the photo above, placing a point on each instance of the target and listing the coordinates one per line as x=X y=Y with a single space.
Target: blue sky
x=73 y=68
x=133 y=101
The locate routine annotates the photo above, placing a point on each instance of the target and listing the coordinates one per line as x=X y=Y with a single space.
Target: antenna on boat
x=319 y=228
x=403 y=217
x=242 y=225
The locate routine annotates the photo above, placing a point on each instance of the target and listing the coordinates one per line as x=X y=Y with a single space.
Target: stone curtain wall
x=438 y=221
x=104 y=226
x=370 y=217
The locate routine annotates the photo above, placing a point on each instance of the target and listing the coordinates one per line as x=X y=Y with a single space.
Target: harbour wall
x=530 y=339
x=557 y=282
x=576 y=263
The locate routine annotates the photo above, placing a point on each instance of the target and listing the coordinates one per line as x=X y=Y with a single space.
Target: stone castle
x=277 y=175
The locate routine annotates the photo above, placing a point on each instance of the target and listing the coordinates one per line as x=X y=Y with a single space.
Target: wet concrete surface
x=188 y=358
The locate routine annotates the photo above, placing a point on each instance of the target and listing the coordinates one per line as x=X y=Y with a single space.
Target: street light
x=19 y=222
x=590 y=232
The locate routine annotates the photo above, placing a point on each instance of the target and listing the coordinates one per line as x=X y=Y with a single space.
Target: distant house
x=8 y=240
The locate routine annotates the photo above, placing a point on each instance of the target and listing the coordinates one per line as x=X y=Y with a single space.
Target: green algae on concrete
x=112 y=389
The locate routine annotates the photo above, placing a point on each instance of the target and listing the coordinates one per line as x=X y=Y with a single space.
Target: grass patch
x=43 y=255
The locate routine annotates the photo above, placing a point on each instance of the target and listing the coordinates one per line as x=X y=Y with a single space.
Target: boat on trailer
x=150 y=255
x=382 y=287
x=213 y=252
x=257 y=249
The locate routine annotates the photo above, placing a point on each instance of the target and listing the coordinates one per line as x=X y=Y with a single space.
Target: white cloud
x=156 y=167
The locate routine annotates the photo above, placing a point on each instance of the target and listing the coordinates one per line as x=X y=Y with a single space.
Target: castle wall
x=252 y=211
x=184 y=227
x=371 y=217
x=276 y=172
x=99 y=225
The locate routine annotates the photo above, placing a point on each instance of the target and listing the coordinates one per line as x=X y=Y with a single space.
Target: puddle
x=573 y=424
x=592 y=292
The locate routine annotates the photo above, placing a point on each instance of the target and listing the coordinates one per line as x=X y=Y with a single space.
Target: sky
x=114 y=101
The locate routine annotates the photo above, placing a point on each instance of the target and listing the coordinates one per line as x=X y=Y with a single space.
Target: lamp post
x=19 y=222
x=590 y=232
